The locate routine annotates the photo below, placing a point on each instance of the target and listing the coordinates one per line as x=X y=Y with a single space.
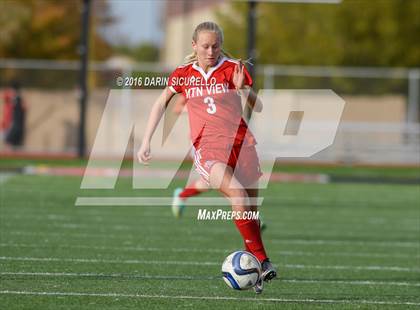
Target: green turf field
x=337 y=246
x=409 y=172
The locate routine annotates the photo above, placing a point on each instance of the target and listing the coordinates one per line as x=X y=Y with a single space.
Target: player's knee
x=239 y=198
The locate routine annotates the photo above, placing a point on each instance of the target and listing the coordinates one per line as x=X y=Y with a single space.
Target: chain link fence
x=379 y=124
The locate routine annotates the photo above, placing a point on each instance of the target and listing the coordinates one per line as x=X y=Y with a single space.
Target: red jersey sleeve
x=174 y=83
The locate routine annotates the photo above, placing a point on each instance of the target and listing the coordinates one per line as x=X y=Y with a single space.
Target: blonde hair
x=206 y=26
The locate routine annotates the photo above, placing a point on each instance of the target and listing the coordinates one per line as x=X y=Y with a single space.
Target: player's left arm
x=242 y=81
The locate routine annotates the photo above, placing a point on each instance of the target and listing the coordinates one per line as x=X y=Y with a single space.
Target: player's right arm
x=156 y=113
x=179 y=104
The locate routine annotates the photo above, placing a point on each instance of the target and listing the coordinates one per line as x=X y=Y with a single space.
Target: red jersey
x=214 y=107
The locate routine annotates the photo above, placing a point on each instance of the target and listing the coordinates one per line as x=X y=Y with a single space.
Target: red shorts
x=243 y=160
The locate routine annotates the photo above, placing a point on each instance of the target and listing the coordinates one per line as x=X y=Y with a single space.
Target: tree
x=144 y=52
x=50 y=29
x=380 y=33
x=352 y=33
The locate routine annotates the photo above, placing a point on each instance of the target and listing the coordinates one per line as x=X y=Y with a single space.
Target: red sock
x=246 y=244
x=250 y=231
x=189 y=191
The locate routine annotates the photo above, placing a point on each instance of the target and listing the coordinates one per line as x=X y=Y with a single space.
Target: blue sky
x=138 y=21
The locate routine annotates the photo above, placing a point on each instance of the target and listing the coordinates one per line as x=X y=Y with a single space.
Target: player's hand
x=143 y=154
x=239 y=76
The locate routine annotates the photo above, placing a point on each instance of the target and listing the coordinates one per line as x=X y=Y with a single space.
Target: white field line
x=354 y=282
x=152 y=211
x=70 y=219
x=76 y=226
x=187 y=235
x=403 y=244
x=95 y=217
x=54 y=223
x=310 y=200
x=137 y=228
x=61 y=223
x=338 y=267
x=201 y=263
x=346 y=254
x=134 y=276
x=226 y=298
x=313 y=199
x=107 y=261
x=206 y=250
x=152 y=201
x=112 y=275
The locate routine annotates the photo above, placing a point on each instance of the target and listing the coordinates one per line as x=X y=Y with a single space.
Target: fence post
x=413 y=95
x=126 y=102
x=268 y=77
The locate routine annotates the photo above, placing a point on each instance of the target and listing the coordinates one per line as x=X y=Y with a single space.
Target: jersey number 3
x=211 y=106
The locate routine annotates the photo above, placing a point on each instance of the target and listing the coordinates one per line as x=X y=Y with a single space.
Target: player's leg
x=248 y=172
x=222 y=178
x=268 y=270
x=195 y=188
x=182 y=194
x=253 y=197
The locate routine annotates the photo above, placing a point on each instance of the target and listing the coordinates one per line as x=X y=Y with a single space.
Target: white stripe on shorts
x=200 y=169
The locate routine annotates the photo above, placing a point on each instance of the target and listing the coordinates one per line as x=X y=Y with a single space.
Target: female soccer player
x=195 y=187
x=225 y=154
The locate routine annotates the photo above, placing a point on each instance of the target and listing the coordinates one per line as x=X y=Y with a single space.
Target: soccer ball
x=241 y=270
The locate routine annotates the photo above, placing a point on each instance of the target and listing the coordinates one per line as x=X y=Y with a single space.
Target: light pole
x=83 y=50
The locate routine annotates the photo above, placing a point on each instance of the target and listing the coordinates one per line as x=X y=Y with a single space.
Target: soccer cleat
x=178 y=204
x=259 y=287
x=268 y=271
x=268 y=274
